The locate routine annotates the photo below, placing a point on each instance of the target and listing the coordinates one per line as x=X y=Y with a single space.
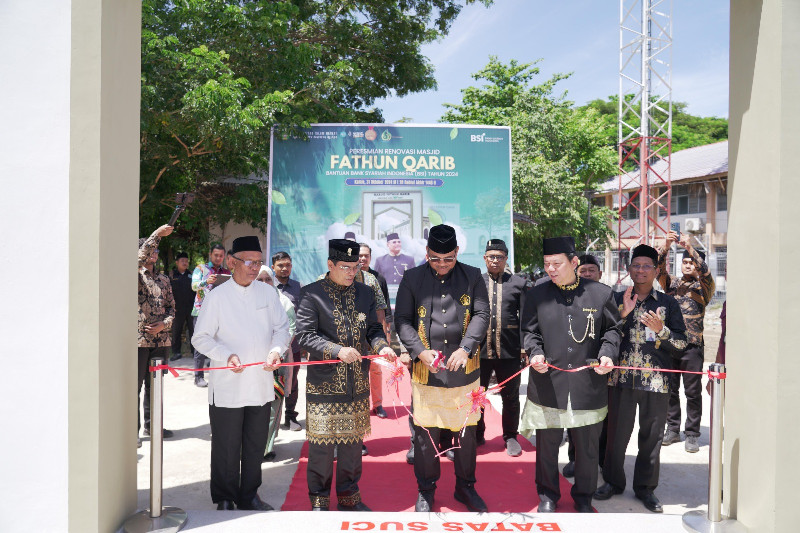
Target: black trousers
x=182 y=319
x=238 y=439
x=426 y=464
x=509 y=394
x=693 y=388
x=622 y=403
x=320 y=473
x=291 y=399
x=143 y=375
x=586 y=443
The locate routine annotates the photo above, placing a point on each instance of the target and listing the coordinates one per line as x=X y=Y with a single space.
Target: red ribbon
x=173 y=369
x=709 y=373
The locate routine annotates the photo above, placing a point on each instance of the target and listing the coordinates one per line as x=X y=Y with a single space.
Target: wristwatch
x=465 y=349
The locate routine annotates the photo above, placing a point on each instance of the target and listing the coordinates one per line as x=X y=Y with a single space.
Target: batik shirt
x=156 y=303
x=692 y=294
x=642 y=347
x=200 y=283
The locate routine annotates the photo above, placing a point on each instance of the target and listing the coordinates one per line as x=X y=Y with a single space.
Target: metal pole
x=713 y=520
x=156 y=438
x=715 y=449
x=158 y=517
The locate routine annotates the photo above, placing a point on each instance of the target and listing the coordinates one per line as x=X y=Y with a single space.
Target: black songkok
x=558 y=245
x=644 y=250
x=350 y=235
x=249 y=243
x=442 y=239
x=392 y=237
x=182 y=255
x=497 y=244
x=589 y=259
x=343 y=250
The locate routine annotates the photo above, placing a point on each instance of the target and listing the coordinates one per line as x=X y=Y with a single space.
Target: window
x=722 y=196
x=687 y=199
x=631 y=211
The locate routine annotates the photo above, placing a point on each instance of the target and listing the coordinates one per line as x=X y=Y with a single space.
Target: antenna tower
x=645 y=123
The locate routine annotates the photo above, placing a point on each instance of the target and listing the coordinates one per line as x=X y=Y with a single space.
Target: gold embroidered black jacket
x=330 y=317
x=459 y=300
x=556 y=323
x=506 y=300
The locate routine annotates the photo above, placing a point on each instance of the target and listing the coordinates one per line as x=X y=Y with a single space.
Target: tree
x=217 y=75
x=558 y=154
x=687 y=130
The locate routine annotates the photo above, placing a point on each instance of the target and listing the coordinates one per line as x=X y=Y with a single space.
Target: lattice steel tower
x=645 y=121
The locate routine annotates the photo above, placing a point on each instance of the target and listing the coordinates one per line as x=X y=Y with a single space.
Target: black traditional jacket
x=506 y=300
x=329 y=318
x=570 y=327
x=462 y=294
x=644 y=348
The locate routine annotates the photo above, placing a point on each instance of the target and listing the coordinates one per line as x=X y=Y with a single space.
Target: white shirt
x=249 y=322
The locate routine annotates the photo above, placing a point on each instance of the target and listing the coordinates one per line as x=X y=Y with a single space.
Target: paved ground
x=683 y=481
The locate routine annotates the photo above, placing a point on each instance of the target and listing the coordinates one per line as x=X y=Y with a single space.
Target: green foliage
x=687 y=130
x=217 y=75
x=558 y=153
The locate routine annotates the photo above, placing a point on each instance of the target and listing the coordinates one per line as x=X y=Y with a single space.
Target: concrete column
x=763 y=388
x=70 y=167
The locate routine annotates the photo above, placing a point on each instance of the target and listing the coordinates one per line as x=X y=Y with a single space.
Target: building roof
x=691 y=163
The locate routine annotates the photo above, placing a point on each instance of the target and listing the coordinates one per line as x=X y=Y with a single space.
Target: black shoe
x=583 y=508
x=469 y=497
x=451 y=455
x=256 y=505
x=480 y=440
x=357 y=507
x=424 y=502
x=225 y=505
x=165 y=434
x=606 y=491
x=175 y=357
x=569 y=469
x=410 y=456
x=651 y=502
x=380 y=412
x=513 y=448
x=546 y=506
x=364 y=450
x=269 y=457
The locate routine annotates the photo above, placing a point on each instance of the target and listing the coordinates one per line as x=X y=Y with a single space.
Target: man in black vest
x=442 y=311
x=568 y=322
x=501 y=352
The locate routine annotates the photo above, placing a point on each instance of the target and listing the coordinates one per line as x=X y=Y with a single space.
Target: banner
x=386 y=185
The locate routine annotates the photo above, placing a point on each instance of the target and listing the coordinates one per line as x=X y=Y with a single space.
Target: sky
x=578 y=36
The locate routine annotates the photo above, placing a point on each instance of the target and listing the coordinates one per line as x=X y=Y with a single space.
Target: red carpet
x=388 y=484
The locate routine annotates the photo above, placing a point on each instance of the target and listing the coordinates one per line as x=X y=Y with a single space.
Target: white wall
x=34 y=173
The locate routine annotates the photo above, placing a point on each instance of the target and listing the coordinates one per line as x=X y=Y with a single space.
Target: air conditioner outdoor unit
x=694 y=225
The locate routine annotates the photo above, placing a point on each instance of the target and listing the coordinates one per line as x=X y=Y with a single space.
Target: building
x=699 y=204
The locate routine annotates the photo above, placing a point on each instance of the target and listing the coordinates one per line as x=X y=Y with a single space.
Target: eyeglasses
x=251 y=264
x=445 y=260
x=642 y=267
x=494 y=258
x=345 y=268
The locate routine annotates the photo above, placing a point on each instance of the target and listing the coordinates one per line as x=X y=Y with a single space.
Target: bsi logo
x=477 y=138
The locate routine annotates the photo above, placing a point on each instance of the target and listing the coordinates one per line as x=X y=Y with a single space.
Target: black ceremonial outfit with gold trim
x=329 y=318
x=571 y=325
x=502 y=349
x=443 y=314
